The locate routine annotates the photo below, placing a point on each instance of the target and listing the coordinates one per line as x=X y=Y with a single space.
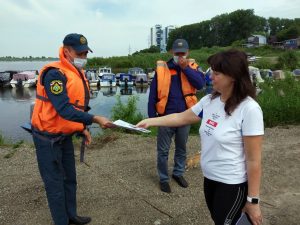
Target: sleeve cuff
x=89 y=119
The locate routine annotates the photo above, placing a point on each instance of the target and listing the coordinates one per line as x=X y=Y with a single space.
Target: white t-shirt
x=222 y=155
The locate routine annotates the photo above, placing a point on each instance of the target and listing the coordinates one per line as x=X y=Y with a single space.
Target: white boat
x=125 y=80
x=104 y=70
x=92 y=77
x=24 y=79
x=141 y=80
x=108 y=80
x=134 y=71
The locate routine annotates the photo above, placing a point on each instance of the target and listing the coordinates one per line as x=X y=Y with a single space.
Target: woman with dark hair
x=231 y=134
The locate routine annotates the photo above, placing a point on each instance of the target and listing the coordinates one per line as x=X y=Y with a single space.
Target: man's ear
x=65 y=50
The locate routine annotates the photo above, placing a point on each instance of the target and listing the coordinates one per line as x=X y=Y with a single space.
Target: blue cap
x=180 y=45
x=77 y=41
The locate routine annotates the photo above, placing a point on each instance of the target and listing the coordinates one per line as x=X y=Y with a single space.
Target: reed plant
x=2 y=140
x=126 y=111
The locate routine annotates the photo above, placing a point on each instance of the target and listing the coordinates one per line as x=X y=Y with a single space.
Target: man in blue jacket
x=173 y=91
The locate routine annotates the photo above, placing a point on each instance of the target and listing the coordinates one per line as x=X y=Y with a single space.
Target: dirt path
x=120 y=185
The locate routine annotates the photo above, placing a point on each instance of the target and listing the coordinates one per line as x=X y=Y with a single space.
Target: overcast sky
x=37 y=27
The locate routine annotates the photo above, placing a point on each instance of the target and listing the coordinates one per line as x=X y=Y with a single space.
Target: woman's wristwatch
x=253 y=200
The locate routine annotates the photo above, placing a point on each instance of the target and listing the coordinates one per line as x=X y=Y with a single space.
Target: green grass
x=280 y=101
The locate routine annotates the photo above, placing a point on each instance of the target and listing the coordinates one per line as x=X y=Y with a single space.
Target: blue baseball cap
x=77 y=41
x=180 y=45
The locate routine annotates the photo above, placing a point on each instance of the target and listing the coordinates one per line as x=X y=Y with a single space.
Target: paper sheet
x=123 y=124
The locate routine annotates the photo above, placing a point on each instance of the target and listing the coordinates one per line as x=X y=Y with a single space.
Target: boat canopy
x=25 y=75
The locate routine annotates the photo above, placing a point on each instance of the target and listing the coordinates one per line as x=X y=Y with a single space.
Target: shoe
x=80 y=220
x=181 y=181
x=165 y=187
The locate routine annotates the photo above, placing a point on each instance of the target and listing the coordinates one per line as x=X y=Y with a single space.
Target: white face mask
x=176 y=58
x=79 y=63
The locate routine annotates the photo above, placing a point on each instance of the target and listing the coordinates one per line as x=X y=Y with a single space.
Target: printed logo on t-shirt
x=212 y=123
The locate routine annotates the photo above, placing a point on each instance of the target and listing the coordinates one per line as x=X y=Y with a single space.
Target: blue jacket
x=176 y=102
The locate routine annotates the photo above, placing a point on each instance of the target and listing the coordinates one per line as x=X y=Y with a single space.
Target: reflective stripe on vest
x=44 y=116
x=164 y=82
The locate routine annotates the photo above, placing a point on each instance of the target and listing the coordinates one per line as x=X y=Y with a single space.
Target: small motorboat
x=24 y=79
x=108 y=80
x=104 y=70
x=92 y=77
x=125 y=80
x=134 y=71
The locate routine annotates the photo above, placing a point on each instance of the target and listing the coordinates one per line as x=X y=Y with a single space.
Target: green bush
x=280 y=101
x=127 y=112
x=2 y=141
x=264 y=63
x=288 y=60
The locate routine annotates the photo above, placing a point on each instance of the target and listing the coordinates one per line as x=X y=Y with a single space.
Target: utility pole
x=129 y=50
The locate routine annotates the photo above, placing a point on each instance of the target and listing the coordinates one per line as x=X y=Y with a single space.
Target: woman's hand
x=88 y=137
x=144 y=123
x=254 y=212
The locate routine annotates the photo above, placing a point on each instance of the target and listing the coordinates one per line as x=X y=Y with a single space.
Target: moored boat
x=24 y=79
x=108 y=80
x=141 y=79
x=92 y=77
x=125 y=80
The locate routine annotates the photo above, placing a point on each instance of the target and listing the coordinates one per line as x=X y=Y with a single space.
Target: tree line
x=224 y=29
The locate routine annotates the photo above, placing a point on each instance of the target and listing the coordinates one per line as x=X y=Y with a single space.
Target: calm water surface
x=15 y=102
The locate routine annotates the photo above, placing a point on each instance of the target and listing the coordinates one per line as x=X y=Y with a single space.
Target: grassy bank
x=269 y=58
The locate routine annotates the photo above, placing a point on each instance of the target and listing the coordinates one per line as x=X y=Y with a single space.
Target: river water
x=15 y=102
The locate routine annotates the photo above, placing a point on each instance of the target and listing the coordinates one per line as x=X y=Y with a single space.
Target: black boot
x=181 y=181
x=165 y=187
x=80 y=220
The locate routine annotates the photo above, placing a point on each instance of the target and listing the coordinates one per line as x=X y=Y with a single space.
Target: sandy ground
x=120 y=186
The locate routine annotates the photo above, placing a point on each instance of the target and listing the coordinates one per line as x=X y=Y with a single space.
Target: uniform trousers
x=56 y=164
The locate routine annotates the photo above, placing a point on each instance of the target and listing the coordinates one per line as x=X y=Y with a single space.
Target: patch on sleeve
x=56 y=87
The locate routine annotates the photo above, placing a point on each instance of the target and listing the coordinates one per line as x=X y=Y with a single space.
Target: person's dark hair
x=233 y=63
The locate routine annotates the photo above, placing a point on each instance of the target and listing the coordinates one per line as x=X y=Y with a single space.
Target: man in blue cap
x=173 y=90
x=60 y=110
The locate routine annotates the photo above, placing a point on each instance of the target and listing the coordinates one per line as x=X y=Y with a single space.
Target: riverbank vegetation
x=280 y=101
x=270 y=58
x=27 y=58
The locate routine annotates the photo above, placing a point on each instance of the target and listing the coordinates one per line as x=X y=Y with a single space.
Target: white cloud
x=35 y=27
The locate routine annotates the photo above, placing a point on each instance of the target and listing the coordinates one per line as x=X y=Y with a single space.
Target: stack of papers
x=129 y=126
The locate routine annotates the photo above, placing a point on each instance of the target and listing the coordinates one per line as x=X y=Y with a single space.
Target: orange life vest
x=44 y=116
x=164 y=82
